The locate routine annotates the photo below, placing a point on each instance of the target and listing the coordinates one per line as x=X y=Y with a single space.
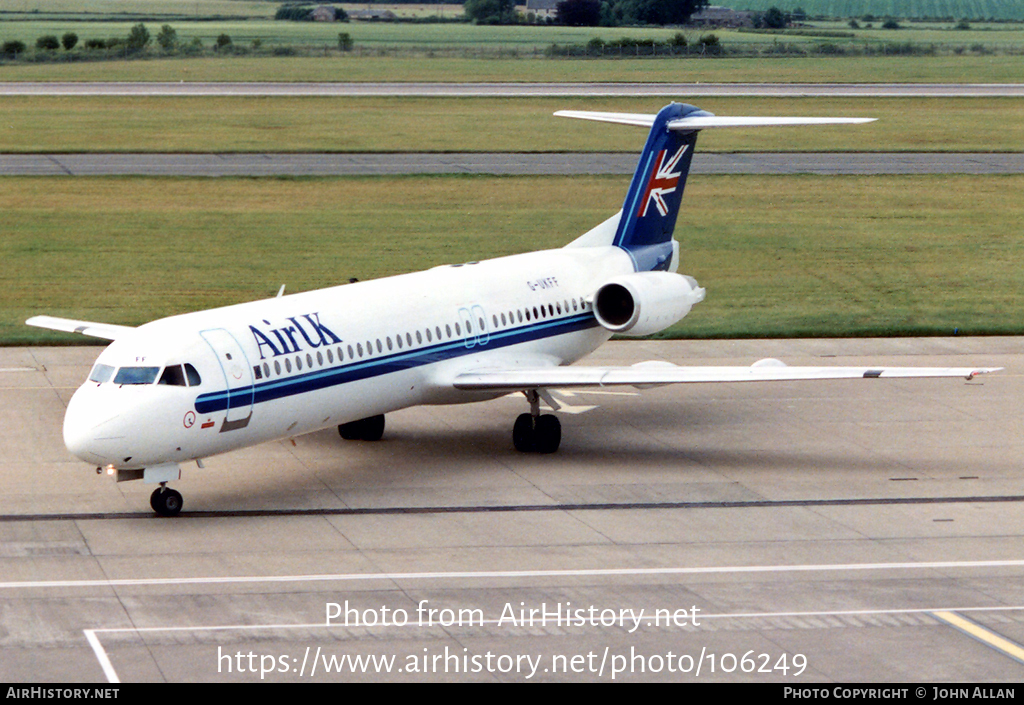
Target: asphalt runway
x=463 y=90
x=269 y=164
x=846 y=531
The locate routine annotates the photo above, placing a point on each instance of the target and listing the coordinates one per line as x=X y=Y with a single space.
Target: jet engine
x=645 y=302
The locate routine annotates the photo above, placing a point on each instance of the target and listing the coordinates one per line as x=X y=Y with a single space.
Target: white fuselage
x=290 y=365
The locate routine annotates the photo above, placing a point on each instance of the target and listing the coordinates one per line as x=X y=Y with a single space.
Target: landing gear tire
x=547 y=434
x=369 y=429
x=522 y=433
x=165 y=501
x=540 y=436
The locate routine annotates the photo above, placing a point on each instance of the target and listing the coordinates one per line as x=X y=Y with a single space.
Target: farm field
x=779 y=256
x=224 y=124
x=974 y=9
x=527 y=39
x=238 y=9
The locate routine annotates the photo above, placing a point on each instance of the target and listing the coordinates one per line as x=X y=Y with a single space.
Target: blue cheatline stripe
x=628 y=221
x=353 y=371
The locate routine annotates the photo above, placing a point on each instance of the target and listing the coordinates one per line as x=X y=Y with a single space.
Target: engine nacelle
x=645 y=302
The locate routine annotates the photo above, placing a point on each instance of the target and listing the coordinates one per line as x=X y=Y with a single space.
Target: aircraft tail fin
x=648 y=219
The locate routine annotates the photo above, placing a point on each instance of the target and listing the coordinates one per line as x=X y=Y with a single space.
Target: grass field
x=116 y=124
x=891 y=69
x=779 y=256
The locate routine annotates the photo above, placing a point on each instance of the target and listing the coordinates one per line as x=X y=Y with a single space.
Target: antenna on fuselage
x=280 y=292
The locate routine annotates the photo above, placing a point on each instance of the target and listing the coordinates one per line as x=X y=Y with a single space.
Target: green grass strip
x=211 y=124
x=779 y=255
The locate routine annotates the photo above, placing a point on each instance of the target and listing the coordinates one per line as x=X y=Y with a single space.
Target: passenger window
x=256 y=370
x=359 y=349
x=520 y=314
x=408 y=338
x=527 y=314
x=458 y=331
x=266 y=370
x=448 y=330
x=101 y=373
x=277 y=367
x=173 y=376
x=419 y=338
x=398 y=339
x=320 y=358
x=309 y=360
x=298 y=362
x=288 y=364
x=350 y=355
x=380 y=348
x=482 y=325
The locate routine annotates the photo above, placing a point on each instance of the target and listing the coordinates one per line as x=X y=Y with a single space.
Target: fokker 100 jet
x=191 y=386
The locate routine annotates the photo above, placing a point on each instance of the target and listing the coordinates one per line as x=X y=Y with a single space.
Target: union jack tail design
x=663 y=181
x=652 y=203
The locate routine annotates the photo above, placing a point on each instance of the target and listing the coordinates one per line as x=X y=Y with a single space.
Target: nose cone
x=90 y=426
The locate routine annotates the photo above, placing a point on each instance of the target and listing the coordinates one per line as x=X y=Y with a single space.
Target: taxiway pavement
x=511 y=89
x=870 y=530
x=276 y=164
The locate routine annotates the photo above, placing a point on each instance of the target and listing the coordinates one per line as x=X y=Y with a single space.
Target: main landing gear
x=370 y=429
x=165 y=501
x=536 y=433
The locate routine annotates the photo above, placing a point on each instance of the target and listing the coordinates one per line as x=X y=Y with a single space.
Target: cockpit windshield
x=101 y=373
x=173 y=375
x=136 y=375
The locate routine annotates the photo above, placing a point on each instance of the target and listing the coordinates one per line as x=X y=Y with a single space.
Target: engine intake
x=645 y=302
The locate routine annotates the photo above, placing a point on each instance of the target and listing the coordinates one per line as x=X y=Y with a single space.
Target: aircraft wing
x=649 y=374
x=107 y=331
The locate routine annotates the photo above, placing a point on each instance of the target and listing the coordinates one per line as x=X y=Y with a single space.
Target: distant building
x=324 y=13
x=542 y=9
x=372 y=15
x=718 y=16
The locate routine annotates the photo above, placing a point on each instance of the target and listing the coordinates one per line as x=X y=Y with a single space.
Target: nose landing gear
x=534 y=432
x=165 y=501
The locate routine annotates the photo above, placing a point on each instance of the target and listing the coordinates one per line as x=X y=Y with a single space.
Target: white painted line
x=738 y=615
x=108 y=668
x=18 y=369
x=477 y=575
x=101 y=656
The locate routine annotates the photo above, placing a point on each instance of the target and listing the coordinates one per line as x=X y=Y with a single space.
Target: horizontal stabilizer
x=704 y=120
x=648 y=374
x=107 y=331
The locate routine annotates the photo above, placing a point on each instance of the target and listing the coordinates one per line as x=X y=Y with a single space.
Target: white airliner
x=191 y=386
